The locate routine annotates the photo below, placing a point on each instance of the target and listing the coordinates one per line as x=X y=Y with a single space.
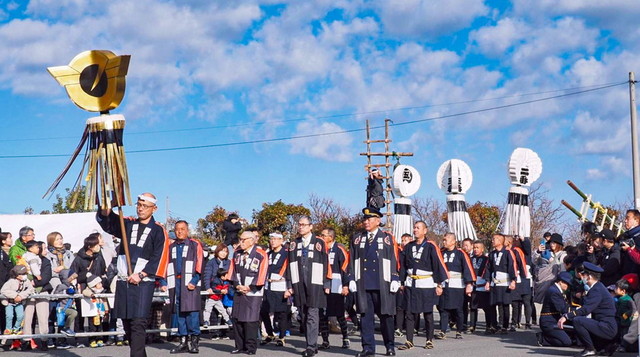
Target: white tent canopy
x=74 y=227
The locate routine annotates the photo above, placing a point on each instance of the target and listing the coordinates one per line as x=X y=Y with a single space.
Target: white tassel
x=458 y=218
x=402 y=220
x=517 y=220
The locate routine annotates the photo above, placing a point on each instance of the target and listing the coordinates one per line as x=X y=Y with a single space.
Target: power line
x=409 y=122
x=342 y=115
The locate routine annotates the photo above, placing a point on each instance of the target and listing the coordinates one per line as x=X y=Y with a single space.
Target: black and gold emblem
x=94 y=80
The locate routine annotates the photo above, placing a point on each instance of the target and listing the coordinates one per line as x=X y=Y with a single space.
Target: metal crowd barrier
x=4 y=338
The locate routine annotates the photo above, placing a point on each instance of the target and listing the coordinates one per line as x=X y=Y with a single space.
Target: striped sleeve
x=264 y=267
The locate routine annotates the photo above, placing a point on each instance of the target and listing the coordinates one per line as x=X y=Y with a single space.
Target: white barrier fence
x=4 y=338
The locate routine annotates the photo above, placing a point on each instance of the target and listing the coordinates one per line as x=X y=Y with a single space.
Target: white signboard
x=74 y=227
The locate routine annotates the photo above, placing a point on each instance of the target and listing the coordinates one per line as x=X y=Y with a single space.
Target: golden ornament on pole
x=95 y=81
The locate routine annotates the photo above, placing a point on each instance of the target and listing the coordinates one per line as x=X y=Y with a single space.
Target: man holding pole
x=141 y=258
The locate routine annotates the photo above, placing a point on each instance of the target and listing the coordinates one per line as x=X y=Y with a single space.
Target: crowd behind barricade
x=584 y=295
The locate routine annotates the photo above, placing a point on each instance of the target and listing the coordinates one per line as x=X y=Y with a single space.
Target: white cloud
x=494 y=41
x=520 y=138
x=428 y=18
x=564 y=35
x=619 y=16
x=330 y=147
x=596 y=174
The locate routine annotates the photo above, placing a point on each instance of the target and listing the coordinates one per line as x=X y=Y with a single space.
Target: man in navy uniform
x=149 y=252
x=423 y=271
x=601 y=328
x=554 y=306
x=374 y=266
x=310 y=279
x=248 y=274
x=460 y=283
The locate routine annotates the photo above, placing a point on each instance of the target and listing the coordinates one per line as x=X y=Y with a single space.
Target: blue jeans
x=188 y=322
x=18 y=311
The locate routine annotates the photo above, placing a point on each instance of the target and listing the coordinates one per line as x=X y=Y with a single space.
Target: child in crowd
x=16 y=290
x=94 y=308
x=32 y=260
x=214 y=284
x=625 y=308
x=67 y=308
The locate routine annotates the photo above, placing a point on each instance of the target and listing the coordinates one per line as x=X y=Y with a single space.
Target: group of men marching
x=324 y=280
x=378 y=276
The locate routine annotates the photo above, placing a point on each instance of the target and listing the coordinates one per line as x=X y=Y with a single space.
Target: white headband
x=147 y=198
x=275 y=235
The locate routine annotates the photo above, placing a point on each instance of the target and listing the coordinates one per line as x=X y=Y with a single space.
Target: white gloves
x=352 y=286
x=395 y=286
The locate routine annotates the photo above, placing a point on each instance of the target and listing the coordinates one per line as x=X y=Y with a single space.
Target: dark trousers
x=324 y=325
x=551 y=334
x=445 y=315
x=93 y=327
x=399 y=318
x=591 y=332
x=134 y=330
x=502 y=320
x=311 y=321
x=279 y=318
x=473 y=317
x=517 y=310
x=349 y=303
x=367 y=323
x=246 y=335
x=411 y=320
x=465 y=310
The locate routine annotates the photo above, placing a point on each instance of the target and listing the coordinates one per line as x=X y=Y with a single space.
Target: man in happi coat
x=501 y=282
x=149 y=252
x=522 y=294
x=183 y=282
x=374 y=267
x=248 y=274
x=339 y=262
x=423 y=271
x=310 y=278
x=460 y=283
x=274 y=302
x=480 y=295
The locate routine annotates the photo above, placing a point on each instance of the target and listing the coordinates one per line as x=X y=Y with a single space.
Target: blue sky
x=234 y=71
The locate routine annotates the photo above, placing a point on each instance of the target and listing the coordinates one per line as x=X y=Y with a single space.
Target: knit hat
x=93 y=281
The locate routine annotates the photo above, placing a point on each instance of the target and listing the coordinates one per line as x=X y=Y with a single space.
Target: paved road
x=521 y=343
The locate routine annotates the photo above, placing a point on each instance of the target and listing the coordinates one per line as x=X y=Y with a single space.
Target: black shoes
x=182 y=347
x=194 y=344
x=587 y=353
x=308 y=353
x=390 y=352
x=365 y=354
x=237 y=352
x=325 y=345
